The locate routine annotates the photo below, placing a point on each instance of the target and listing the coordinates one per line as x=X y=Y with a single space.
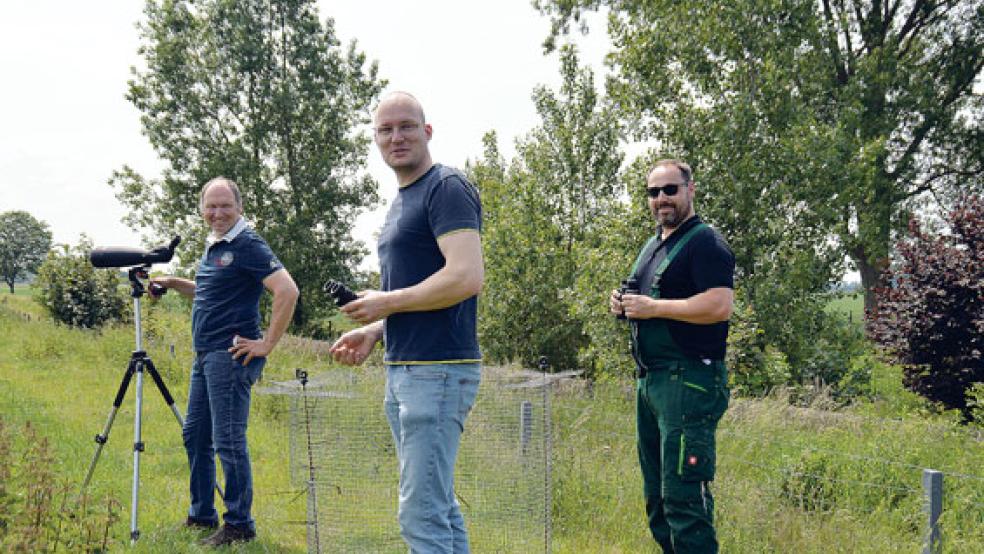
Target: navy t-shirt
x=705 y=262
x=228 y=286
x=439 y=203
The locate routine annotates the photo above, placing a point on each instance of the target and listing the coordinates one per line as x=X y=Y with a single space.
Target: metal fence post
x=933 y=491
x=525 y=426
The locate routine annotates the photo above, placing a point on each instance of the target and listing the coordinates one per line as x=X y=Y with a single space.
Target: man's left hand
x=249 y=348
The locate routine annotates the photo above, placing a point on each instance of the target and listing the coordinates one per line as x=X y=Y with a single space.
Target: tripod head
x=135 y=274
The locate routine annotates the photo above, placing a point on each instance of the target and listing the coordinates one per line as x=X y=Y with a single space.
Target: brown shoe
x=228 y=534
x=195 y=523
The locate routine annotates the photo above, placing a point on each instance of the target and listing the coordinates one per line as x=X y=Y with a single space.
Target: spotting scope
x=126 y=256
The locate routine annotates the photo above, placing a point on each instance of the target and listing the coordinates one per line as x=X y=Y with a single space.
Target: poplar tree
x=261 y=92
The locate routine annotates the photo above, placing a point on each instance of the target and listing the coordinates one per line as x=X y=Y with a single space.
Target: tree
x=930 y=317
x=259 y=92
x=840 y=117
x=540 y=212
x=24 y=242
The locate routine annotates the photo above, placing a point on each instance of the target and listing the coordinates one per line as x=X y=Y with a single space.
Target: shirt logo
x=692 y=460
x=226 y=259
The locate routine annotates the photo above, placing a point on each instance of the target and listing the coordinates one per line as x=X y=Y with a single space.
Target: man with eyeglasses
x=679 y=323
x=230 y=353
x=430 y=257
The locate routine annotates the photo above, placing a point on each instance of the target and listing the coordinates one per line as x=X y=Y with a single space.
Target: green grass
x=20 y=289
x=789 y=479
x=851 y=305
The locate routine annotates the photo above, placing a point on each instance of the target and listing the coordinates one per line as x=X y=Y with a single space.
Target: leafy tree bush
x=931 y=318
x=756 y=367
x=24 y=241
x=541 y=212
x=77 y=294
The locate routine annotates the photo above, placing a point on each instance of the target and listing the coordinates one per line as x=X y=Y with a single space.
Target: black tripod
x=139 y=362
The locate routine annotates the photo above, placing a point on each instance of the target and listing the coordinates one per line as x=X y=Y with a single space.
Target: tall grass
x=789 y=479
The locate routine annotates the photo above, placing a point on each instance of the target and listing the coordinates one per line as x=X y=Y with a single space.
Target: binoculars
x=628 y=286
x=340 y=293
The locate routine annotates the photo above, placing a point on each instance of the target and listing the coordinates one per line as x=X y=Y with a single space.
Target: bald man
x=430 y=256
x=230 y=353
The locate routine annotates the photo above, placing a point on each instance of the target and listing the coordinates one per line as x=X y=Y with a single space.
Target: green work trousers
x=678 y=408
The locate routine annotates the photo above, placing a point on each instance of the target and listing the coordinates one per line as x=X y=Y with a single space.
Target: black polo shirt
x=705 y=262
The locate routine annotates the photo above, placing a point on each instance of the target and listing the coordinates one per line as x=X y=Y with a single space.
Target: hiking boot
x=195 y=523
x=228 y=534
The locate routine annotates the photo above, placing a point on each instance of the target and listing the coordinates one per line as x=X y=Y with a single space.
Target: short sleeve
x=258 y=261
x=454 y=205
x=713 y=262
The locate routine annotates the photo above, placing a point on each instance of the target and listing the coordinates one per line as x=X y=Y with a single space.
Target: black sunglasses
x=669 y=190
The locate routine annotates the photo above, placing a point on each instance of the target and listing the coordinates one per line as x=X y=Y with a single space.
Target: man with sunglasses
x=679 y=323
x=431 y=271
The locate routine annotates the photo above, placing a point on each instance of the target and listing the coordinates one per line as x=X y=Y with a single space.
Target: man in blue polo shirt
x=430 y=255
x=230 y=353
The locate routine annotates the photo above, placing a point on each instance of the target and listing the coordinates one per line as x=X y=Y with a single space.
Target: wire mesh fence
x=342 y=455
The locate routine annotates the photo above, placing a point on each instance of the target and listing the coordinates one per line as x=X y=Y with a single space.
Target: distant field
x=850 y=304
x=20 y=289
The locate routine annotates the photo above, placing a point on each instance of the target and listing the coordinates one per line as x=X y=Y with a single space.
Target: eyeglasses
x=217 y=209
x=669 y=190
x=386 y=131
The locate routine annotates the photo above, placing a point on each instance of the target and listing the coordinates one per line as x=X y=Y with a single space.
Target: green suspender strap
x=672 y=254
x=654 y=244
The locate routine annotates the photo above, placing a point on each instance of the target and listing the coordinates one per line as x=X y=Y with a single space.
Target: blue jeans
x=426 y=406
x=218 y=411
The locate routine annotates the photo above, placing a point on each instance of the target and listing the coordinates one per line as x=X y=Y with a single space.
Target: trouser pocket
x=697 y=456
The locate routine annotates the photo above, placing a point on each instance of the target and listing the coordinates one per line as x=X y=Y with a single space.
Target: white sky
x=65 y=124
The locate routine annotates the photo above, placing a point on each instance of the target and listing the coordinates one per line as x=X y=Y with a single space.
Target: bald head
x=402 y=99
x=224 y=182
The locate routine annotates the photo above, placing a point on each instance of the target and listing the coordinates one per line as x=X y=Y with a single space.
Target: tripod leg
x=138 y=447
x=156 y=376
x=104 y=436
x=163 y=388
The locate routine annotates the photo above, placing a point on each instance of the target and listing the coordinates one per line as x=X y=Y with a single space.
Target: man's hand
x=370 y=306
x=639 y=306
x=615 y=303
x=249 y=348
x=354 y=347
x=183 y=286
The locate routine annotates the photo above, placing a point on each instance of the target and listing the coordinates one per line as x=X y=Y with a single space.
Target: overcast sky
x=66 y=124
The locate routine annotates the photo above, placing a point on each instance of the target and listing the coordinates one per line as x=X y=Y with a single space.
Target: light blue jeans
x=218 y=412
x=426 y=406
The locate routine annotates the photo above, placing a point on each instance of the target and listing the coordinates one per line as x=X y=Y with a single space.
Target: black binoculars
x=629 y=286
x=340 y=293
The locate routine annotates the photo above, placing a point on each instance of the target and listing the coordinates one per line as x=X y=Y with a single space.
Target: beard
x=673 y=216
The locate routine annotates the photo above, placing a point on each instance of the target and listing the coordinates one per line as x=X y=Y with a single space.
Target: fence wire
x=342 y=455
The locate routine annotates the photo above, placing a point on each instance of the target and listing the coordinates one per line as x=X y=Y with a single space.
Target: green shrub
x=75 y=293
x=811 y=483
x=755 y=366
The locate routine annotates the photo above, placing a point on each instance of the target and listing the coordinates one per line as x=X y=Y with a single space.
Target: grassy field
x=852 y=305
x=20 y=289
x=789 y=479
